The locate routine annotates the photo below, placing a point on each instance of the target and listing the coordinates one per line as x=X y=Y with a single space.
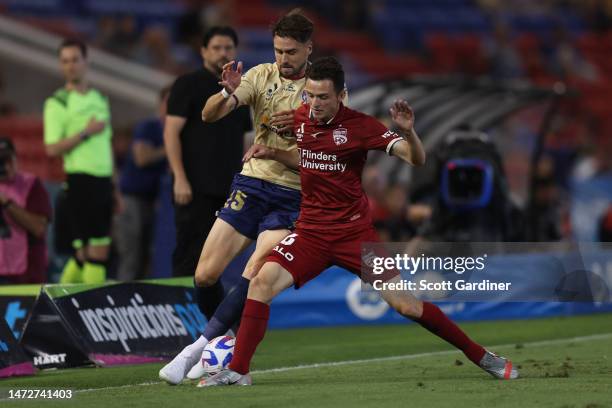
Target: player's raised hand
x=230 y=77
x=258 y=151
x=402 y=115
x=282 y=121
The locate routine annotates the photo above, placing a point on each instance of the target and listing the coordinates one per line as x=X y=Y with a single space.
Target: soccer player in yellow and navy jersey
x=265 y=197
x=77 y=128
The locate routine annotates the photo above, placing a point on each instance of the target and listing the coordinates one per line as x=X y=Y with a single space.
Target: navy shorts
x=256 y=205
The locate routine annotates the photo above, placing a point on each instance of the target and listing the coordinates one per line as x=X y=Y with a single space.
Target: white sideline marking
x=379 y=359
x=431 y=354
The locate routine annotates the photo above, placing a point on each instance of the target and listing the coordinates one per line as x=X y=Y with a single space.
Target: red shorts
x=306 y=253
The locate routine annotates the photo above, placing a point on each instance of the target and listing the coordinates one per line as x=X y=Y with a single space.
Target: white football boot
x=226 y=377
x=176 y=370
x=498 y=367
x=197 y=371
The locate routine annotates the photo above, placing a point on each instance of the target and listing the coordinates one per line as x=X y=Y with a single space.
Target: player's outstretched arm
x=221 y=104
x=289 y=158
x=410 y=149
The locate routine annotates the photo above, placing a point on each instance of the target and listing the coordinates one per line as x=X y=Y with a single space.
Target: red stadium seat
x=27 y=135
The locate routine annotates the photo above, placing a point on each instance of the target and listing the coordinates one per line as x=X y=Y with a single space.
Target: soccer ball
x=218 y=354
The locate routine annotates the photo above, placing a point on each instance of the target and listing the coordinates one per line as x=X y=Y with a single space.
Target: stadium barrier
x=115 y=323
x=16 y=302
x=13 y=361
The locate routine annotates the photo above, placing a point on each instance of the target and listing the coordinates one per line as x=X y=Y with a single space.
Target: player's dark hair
x=327 y=68
x=73 y=42
x=220 y=30
x=293 y=25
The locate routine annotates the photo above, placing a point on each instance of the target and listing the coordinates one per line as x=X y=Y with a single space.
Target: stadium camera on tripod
x=473 y=202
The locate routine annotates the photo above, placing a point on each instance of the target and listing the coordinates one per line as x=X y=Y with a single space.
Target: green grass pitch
x=564 y=362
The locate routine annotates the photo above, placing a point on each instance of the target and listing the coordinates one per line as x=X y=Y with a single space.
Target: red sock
x=434 y=320
x=252 y=331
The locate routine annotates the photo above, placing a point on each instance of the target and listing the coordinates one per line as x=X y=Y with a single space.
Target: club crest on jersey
x=340 y=136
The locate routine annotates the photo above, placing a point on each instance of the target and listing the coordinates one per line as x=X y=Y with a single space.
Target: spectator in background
x=565 y=61
x=395 y=226
x=198 y=17
x=504 y=59
x=25 y=212
x=140 y=177
x=353 y=15
x=77 y=128
x=596 y=161
x=155 y=50
x=546 y=217
x=402 y=219
x=106 y=27
x=597 y=14
x=203 y=157
x=124 y=37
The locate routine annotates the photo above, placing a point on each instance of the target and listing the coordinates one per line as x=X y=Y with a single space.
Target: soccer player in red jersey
x=334 y=219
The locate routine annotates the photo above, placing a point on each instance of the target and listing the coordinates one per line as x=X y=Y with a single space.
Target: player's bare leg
x=224 y=242
x=221 y=246
x=433 y=319
x=269 y=282
x=229 y=311
x=265 y=242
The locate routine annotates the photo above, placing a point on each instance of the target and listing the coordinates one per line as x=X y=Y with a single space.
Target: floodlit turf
x=556 y=371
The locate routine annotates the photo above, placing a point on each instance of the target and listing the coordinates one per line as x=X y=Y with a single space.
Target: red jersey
x=332 y=156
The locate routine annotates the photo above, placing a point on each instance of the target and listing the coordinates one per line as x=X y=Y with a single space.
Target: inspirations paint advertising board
x=112 y=324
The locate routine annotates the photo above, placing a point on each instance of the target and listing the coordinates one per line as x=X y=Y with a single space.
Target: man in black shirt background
x=203 y=157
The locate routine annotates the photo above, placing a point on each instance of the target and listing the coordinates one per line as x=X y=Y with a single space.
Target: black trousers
x=193 y=223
